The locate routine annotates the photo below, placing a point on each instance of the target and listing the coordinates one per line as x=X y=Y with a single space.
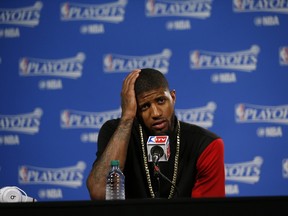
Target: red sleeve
x=210 y=179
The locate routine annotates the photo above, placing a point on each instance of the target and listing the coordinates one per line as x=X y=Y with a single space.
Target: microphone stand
x=157 y=174
x=157 y=152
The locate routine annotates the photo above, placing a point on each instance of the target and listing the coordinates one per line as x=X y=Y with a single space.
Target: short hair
x=150 y=79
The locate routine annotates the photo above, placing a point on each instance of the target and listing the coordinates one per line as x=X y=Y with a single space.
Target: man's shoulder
x=111 y=123
x=197 y=130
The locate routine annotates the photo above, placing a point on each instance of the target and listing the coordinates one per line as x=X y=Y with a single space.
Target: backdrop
x=61 y=69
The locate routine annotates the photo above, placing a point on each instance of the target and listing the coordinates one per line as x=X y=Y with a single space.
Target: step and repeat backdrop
x=62 y=64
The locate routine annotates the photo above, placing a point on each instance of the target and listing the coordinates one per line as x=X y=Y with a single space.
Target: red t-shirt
x=211 y=174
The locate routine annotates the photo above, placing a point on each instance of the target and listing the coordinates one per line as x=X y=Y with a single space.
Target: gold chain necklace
x=175 y=163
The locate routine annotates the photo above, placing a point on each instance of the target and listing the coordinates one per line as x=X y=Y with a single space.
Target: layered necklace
x=175 y=163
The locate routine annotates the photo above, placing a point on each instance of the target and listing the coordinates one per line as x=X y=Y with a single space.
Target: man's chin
x=161 y=132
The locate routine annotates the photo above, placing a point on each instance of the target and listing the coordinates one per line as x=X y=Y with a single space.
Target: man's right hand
x=128 y=97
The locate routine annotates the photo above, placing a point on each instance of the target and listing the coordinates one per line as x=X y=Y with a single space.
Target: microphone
x=158 y=148
x=14 y=194
x=156 y=152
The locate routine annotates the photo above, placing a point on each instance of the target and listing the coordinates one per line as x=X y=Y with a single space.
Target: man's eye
x=161 y=100
x=144 y=107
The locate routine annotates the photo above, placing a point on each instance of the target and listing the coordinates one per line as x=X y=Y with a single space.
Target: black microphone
x=156 y=152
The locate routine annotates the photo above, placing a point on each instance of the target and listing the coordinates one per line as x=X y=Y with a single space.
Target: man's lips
x=159 y=125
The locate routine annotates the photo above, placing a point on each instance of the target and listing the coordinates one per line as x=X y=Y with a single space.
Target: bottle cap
x=115 y=162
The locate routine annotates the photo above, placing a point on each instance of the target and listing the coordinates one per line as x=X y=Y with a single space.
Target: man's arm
x=117 y=146
x=210 y=179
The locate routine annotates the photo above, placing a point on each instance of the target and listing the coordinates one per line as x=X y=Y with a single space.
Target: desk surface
x=195 y=206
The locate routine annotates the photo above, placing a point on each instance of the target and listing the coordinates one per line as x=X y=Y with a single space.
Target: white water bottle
x=115 y=182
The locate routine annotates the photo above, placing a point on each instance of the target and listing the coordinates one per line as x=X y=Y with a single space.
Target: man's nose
x=155 y=111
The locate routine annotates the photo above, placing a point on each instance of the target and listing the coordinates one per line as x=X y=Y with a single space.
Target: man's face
x=156 y=109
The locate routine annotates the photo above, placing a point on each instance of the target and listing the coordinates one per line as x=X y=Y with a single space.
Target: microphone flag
x=161 y=141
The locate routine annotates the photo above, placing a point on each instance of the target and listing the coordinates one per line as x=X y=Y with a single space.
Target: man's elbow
x=95 y=192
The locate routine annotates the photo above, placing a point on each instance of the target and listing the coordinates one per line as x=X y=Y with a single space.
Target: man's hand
x=128 y=97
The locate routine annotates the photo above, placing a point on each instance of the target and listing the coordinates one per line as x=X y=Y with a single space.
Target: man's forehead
x=154 y=93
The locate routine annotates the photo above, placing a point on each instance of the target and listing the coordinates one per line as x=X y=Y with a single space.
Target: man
x=196 y=164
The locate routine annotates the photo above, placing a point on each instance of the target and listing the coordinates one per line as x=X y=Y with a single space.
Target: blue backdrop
x=61 y=69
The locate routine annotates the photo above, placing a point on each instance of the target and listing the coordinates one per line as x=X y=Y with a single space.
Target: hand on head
x=128 y=97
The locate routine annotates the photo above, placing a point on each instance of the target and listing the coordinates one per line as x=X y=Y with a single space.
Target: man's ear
x=173 y=94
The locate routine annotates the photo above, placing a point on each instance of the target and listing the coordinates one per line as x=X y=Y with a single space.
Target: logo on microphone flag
x=161 y=141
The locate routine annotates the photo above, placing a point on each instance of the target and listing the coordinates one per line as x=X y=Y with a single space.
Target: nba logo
x=285 y=168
